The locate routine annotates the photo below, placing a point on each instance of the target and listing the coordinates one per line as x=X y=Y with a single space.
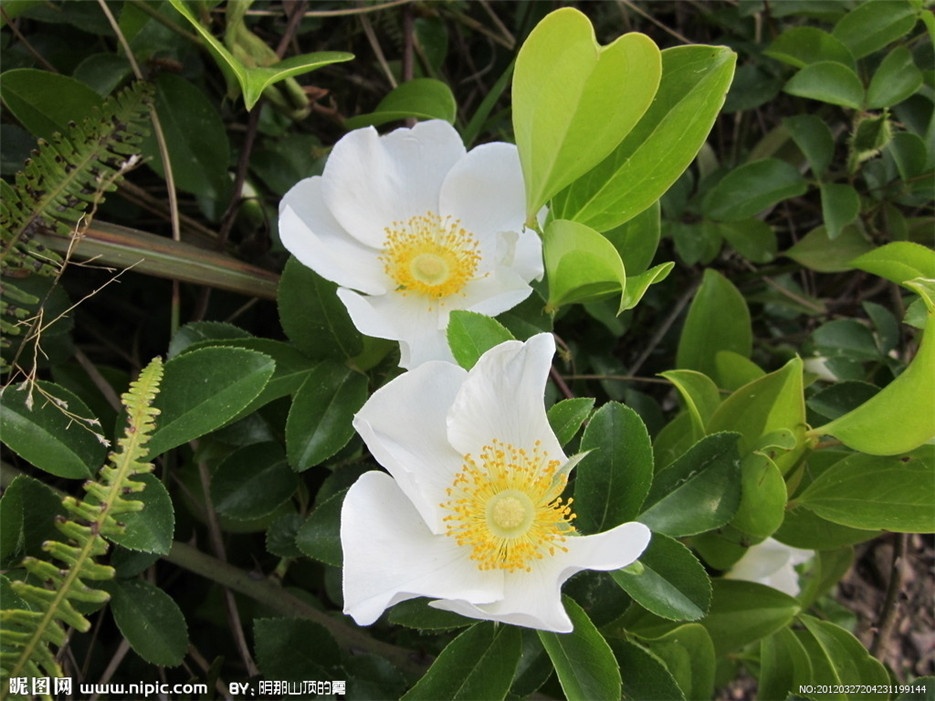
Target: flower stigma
x=430 y=255
x=507 y=507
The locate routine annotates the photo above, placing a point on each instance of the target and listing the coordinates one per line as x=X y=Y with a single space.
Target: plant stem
x=278 y=599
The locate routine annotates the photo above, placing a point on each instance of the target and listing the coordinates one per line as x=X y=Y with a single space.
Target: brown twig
x=888 y=617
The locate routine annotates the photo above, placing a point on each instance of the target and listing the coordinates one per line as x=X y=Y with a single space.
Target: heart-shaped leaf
x=574 y=100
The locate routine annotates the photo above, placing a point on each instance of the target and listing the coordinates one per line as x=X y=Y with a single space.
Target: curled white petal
x=771 y=563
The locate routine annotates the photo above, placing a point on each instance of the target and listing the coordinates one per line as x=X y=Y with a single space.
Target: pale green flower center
x=430 y=255
x=507 y=507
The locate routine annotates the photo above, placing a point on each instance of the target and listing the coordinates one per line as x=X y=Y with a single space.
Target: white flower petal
x=534 y=599
x=502 y=397
x=771 y=563
x=503 y=289
x=390 y=556
x=370 y=181
x=403 y=425
x=485 y=190
x=309 y=231
x=527 y=261
x=419 y=329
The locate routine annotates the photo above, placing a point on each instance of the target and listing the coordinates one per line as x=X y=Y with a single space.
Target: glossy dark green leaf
x=583 y=660
x=422 y=98
x=470 y=335
x=663 y=144
x=295 y=649
x=752 y=188
x=744 y=612
x=752 y=238
x=841 y=659
x=688 y=655
x=568 y=415
x=895 y=79
x=252 y=482
x=670 y=583
x=614 y=477
x=57 y=433
x=319 y=422
x=197 y=331
x=814 y=139
x=840 y=398
x=417 y=614
x=870 y=492
x=203 y=390
x=313 y=317
x=28 y=509
x=784 y=664
x=150 y=620
x=45 y=102
x=762 y=497
x=840 y=205
x=320 y=536
x=828 y=81
x=872 y=25
x=718 y=320
x=478 y=664
x=151 y=529
x=699 y=491
x=644 y=674
x=802 y=528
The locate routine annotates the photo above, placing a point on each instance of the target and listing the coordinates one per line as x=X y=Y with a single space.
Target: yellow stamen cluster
x=506 y=506
x=430 y=255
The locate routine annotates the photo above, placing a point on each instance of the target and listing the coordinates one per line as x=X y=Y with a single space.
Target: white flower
x=471 y=513
x=771 y=563
x=411 y=227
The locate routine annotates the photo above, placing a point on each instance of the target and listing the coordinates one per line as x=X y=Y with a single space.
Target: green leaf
x=583 y=660
x=253 y=81
x=637 y=239
x=319 y=422
x=471 y=334
x=828 y=81
x=814 y=139
x=28 y=509
x=842 y=660
x=699 y=491
x=478 y=664
x=195 y=136
x=752 y=238
x=802 y=46
x=417 y=614
x=644 y=674
x=784 y=664
x=203 y=390
x=150 y=620
x=898 y=261
x=574 y=101
x=581 y=265
x=252 y=482
x=672 y=583
x=320 y=536
x=46 y=102
x=897 y=78
x=700 y=397
x=718 y=320
x=870 y=492
x=663 y=144
x=567 y=416
x=688 y=654
x=840 y=205
x=57 y=433
x=313 y=317
x=802 y=528
x=751 y=188
x=284 y=646
x=817 y=251
x=422 y=98
x=903 y=406
x=772 y=403
x=614 y=477
x=762 y=497
x=743 y=612
x=874 y=24
x=152 y=528
x=638 y=284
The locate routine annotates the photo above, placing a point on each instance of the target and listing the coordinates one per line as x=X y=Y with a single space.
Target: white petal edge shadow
x=403 y=425
x=390 y=556
x=371 y=181
x=479 y=412
x=317 y=240
x=533 y=599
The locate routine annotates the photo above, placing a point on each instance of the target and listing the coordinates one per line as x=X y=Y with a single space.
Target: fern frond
x=54 y=587
x=62 y=182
